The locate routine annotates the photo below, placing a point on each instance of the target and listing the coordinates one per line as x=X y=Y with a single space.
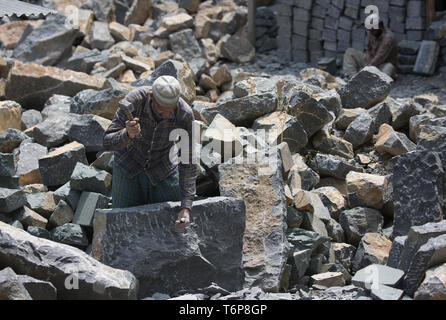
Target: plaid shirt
x=151 y=152
x=382 y=49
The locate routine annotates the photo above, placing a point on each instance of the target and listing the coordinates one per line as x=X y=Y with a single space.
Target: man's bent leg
x=354 y=61
x=126 y=191
x=389 y=69
x=167 y=190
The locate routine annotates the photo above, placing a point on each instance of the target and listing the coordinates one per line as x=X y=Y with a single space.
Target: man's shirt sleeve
x=384 y=50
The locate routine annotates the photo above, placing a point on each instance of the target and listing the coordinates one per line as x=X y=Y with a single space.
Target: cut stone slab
x=432 y=253
x=433 y=286
x=377 y=274
x=57 y=166
x=11 y=199
x=382 y=292
x=165 y=261
x=10 y=286
x=69 y=195
x=86 y=178
x=333 y=166
x=373 y=248
x=89 y=130
x=32 y=84
x=327 y=143
x=358 y=221
x=344 y=254
x=366 y=189
x=50 y=261
x=360 y=130
x=282 y=127
x=62 y=214
x=243 y=111
x=42 y=202
x=392 y=142
x=427 y=58
x=38 y=289
x=7 y=168
x=88 y=203
x=265 y=246
x=365 y=89
x=417 y=190
x=11 y=139
x=10 y=115
x=70 y=234
x=329 y=279
x=28 y=162
x=47 y=43
x=103 y=103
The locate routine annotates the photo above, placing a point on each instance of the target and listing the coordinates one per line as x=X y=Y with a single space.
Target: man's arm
x=188 y=173
x=116 y=136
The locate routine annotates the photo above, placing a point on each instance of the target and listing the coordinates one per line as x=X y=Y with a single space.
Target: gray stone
x=57 y=166
x=395 y=251
x=432 y=253
x=88 y=203
x=11 y=139
x=11 y=199
x=333 y=166
x=67 y=194
x=332 y=199
x=417 y=237
x=96 y=280
x=17 y=224
x=38 y=289
x=9 y=182
x=335 y=231
x=330 y=144
x=41 y=202
x=99 y=36
x=165 y=261
x=7 y=168
x=302 y=239
x=10 y=286
x=56 y=103
x=381 y=113
x=393 y=142
x=302 y=261
x=102 y=103
x=365 y=89
x=313 y=223
x=301 y=176
x=416 y=121
x=86 y=178
x=48 y=43
x=294 y=217
x=358 y=221
x=39 y=232
x=372 y=249
x=83 y=62
x=383 y=292
x=432 y=287
x=62 y=214
x=28 y=162
x=427 y=58
x=263 y=265
x=254 y=85
x=89 y=130
x=184 y=43
x=104 y=161
x=235 y=48
x=376 y=274
x=331 y=101
x=53 y=131
x=417 y=190
x=344 y=254
x=409 y=47
x=30 y=118
x=402 y=116
x=243 y=111
x=360 y=130
x=433 y=138
x=70 y=234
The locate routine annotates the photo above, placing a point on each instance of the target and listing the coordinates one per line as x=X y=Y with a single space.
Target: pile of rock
x=266 y=29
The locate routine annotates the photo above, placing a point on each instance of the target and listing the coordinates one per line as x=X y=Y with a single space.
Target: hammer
x=128 y=108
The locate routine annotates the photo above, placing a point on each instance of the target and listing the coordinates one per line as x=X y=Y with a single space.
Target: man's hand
x=133 y=128
x=183 y=220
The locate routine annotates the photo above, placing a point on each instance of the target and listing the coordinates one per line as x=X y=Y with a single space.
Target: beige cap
x=167 y=91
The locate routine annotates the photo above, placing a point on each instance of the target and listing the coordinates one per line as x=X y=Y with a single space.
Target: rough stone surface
x=433 y=286
x=89 y=130
x=417 y=190
x=373 y=248
x=38 y=289
x=88 y=203
x=360 y=130
x=10 y=286
x=333 y=166
x=86 y=178
x=392 y=142
x=28 y=162
x=70 y=234
x=359 y=221
x=11 y=139
x=11 y=199
x=210 y=250
x=265 y=247
x=344 y=254
x=367 y=88
x=50 y=261
x=366 y=189
x=57 y=166
x=401 y=117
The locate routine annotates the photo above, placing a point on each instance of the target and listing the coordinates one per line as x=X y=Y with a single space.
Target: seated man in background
x=382 y=52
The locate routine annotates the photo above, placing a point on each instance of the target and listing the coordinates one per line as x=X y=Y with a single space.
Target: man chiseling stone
x=143 y=172
x=382 y=52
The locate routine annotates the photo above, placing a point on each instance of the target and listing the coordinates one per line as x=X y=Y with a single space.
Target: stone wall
x=310 y=29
